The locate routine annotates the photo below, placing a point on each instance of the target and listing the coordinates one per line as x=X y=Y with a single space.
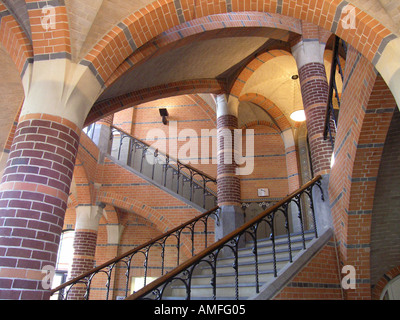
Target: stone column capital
x=308 y=51
x=88 y=217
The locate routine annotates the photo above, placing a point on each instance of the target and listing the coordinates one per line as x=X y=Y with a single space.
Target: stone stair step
x=226 y=278
x=223 y=290
x=280 y=241
x=201 y=288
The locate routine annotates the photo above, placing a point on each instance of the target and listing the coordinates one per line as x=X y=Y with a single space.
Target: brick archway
x=273 y=110
x=358 y=150
x=369 y=36
x=107 y=107
x=15 y=41
x=220 y=25
x=252 y=67
x=383 y=281
x=132 y=205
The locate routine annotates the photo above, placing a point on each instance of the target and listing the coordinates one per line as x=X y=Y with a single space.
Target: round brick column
x=309 y=55
x=87 y=223
x=33 y=198
x=314 y=88
x=228 y=181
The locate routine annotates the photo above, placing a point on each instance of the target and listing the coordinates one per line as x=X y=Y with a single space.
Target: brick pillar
x=314 y=88
x=34 y=192
x=228 y=182
x=309 y=55
x=87 y=223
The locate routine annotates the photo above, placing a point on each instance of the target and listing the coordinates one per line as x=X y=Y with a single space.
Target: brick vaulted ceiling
x=91 y=19
x=213 y=57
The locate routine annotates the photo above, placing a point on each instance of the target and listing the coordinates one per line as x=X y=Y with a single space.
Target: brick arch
x=107 y=107
x=369 y=106
x=221 y=25
x=15 y=41
x=383 y=282
x=252 y=67
x=262 y=58
x=250 y=124
x=367 y=160
x=272 y=109
x=369 y=36
x=160 y=221
x=207 y=109
x=132 y=205
x=53 y=43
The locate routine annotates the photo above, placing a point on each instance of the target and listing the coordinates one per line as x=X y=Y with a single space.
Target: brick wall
x=189 y=112
x=319 y=280
x=385 y=235
x=270 y=170
x=366 y=111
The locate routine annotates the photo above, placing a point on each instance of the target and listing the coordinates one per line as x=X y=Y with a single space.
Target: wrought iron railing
x=192 y=236
x=185 y=180
x=333 y=106
x=184 y=273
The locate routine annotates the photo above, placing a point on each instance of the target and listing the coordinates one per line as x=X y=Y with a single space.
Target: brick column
x=228 y=182
x=87 y=223
x=309 y=55
x=314 y=88
x=34 y=192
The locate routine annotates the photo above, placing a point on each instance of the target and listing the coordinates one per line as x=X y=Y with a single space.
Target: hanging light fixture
x=298 y=115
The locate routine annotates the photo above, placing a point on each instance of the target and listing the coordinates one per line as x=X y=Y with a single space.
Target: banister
x=111 y=262
x=330 y=112
x=219 y=244
x=212 y=179
x=165 y=170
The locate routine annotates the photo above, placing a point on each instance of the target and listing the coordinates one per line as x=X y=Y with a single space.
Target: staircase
x=235 y=267
x=239 y=265
x=201 y=289
x=167 y=173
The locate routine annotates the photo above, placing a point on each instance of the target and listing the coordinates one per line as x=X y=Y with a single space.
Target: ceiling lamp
x=298 y=116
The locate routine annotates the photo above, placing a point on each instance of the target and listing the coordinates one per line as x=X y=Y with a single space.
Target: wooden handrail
x=158 y=282
x=116 y=259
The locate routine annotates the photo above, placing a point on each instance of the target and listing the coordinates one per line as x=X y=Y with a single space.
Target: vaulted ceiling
x=218 y=57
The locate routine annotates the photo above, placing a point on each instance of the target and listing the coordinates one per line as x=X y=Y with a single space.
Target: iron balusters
x=231 y=245
x=190 y=183
x=182 y=239
x=333 y=107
